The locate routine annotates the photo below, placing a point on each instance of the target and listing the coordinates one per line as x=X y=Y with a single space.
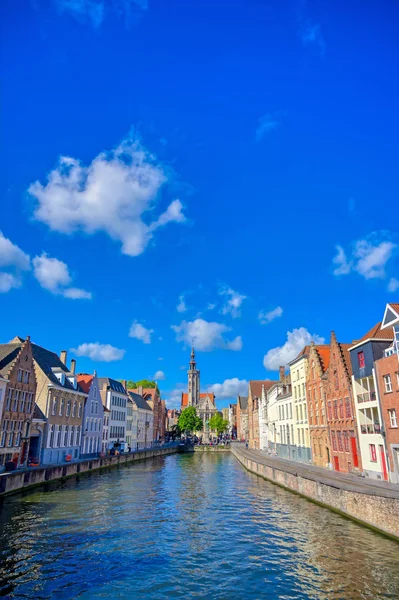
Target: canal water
x=186 y=526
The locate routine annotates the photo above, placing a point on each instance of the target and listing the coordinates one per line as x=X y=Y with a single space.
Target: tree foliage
x=217 y=423
x=146 y=383
x=189 y=421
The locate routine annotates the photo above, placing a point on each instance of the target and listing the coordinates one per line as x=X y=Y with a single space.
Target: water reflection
x=192 y=526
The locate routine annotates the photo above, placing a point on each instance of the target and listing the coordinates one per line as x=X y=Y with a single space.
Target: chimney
x=27 y=338
x=282 y=373
x=73 y=366
x=140 y=390
x=124 y=383
x=63 y=356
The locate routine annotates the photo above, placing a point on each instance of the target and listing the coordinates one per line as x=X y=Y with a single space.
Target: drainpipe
x=383 y=434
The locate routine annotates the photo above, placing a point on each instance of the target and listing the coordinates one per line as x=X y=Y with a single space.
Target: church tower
x=193 y=381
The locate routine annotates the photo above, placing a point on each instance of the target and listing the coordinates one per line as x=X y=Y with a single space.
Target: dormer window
x=72 y=380
x=61 y=377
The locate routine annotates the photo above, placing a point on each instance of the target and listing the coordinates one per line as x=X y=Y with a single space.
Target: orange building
x=316 y=391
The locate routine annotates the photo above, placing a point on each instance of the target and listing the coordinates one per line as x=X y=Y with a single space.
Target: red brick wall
x=19 y=407
x=316 y=393
x=389 y=400
x=345 y=453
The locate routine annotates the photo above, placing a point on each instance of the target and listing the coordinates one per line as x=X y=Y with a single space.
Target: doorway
x=383 y=463
x=336 y=463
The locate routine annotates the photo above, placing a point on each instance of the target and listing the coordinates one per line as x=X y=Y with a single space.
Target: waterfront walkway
x=344 y=481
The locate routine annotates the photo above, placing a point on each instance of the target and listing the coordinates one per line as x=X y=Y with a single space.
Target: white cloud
x=77 y=294
x=159 y=376
x=371 y=260
x=230 y=388
x=393 y=284
x=311 y=34
x=268 y=317
x=140 y=332
x=94 y=11
x=233 y=303
x=12 y=256
x=100 y=352
x=174 y=397
x=210 y=306
x=368 y=257
x=8 y=281
x=206 y=335
x=282 y=355
x=343 y=266
x=13 y=259
x=181 y=307
x=266 y=124
x=53 y=275
x=115 y=194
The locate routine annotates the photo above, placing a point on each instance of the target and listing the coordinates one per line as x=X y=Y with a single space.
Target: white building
x=142 y=423
x=114 y=397
x=105 y=440
x=298 y=373
x=93 y=416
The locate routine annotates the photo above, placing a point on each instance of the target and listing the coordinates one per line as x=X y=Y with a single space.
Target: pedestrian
x=246 y=444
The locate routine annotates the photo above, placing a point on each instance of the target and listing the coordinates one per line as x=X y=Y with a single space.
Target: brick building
x=341 y=421
x=242 y=418
x=17 y=367
x=387 y=376
x=316 y=388
x=153 y=399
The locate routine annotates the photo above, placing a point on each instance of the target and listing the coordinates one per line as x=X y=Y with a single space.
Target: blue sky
x=218 y=171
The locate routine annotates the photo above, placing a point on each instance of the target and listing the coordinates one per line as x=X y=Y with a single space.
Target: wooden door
x=336 y=463
x=354 y=452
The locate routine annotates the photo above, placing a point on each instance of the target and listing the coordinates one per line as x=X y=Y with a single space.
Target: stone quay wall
x=375 y=508
x=211 y=449
x=15 y=481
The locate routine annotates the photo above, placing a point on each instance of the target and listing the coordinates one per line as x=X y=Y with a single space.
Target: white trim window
x=393 y=419
x=54 y=407
x=68 y=408
x=80 y=410
x=62 y=402
x=388 y=383
x=8 y=398
x=3 y=434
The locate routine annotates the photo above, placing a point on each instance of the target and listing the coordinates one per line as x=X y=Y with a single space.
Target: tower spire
x=193 y=380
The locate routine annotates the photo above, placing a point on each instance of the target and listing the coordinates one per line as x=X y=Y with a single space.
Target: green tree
x=146 y=383
x=131 y=385
x=217 y=423
x=189 y=421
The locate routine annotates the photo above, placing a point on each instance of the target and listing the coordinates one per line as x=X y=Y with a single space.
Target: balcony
x=371 y=428
x=366 y=397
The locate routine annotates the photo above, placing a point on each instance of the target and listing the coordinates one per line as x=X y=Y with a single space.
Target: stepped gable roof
x=112 y=384
x=139 y=401
x=184 y=398
x=346 y=356
x=243 y=402
x=84 y=380
x=256 y=386
x=47 y=360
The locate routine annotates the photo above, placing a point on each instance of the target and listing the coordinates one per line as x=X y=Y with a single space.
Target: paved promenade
x=343 y=481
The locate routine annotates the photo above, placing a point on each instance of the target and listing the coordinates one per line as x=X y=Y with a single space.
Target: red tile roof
x=256 y=386
x=84 y=380
x=184 y=398
x=394 y=306
x=324 y=354
x=377 y=333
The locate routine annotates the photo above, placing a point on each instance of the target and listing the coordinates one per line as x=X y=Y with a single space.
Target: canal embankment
x=16 y=481
x=372 y=503
x=206 y=448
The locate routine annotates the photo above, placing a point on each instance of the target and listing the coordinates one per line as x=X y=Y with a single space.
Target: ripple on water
x=190 y=526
